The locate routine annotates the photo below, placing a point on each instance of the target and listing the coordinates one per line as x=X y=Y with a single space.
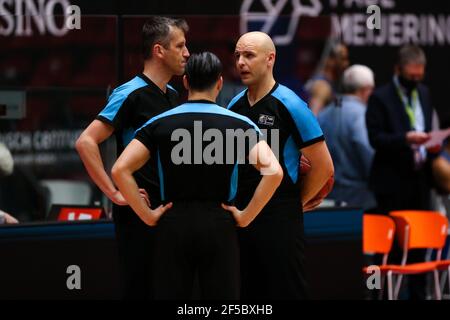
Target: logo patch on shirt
x=266 y=120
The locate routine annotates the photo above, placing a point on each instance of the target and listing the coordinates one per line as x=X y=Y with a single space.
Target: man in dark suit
x=398 y=118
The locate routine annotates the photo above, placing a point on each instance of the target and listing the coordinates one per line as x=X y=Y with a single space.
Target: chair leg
x=380 y=293
x=437 y=287
x=443 y=281
x=448 y=275
x=398 y=285
x=390 y=285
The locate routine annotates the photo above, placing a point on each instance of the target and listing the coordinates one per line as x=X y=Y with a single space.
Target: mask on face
x=408 y=84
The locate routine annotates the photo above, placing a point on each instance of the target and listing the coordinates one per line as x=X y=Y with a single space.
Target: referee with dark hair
x=197 y=234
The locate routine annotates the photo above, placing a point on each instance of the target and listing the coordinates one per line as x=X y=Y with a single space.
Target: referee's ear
x=157 y=50
x=219 y=83
x=185 y=83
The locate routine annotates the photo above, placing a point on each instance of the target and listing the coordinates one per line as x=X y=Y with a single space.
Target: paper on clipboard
x=437 y=138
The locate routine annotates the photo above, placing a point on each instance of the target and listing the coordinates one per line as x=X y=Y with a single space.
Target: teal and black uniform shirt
x=129 y=107
x=288 y=125
x=196 y=148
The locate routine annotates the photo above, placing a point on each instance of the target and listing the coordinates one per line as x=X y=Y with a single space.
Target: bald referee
x=194 y=145
x=272 y=248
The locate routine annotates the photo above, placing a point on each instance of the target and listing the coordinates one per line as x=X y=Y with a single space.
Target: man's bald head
x=258 y=40
x=255 y=58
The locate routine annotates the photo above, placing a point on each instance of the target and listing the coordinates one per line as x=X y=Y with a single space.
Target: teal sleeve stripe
x=291 y=157
x=172 y=88
x=305 y=121
x=235 y=99
x=161 y=178
x=233 y=183
x=119 y=95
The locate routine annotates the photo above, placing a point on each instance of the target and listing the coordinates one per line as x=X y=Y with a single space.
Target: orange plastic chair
x=418 y=230
x=444 y=265
x=378 y=235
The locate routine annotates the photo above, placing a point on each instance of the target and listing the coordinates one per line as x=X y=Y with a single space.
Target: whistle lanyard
x=409 y=107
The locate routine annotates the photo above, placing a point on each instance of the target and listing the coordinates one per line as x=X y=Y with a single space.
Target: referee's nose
x=186 y=53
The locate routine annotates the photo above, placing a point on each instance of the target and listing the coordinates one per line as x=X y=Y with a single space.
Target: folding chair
x=378 y=235
x=418 y=230
x=444 y=265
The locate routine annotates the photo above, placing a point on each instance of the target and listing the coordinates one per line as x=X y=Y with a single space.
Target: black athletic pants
x=196 y=238
x=135 y=245
x=272 y=256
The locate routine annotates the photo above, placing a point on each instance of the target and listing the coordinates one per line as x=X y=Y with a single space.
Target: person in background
x=399 y=119
x=231 y=81
x=325 y=83
x=441 y=168
x=441 y=175
x=6 y=169
x=344 y=127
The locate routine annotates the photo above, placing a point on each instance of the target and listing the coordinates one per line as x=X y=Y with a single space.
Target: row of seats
x=414 y=230
x=63 y=68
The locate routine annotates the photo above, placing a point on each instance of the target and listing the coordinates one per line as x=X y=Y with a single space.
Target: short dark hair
x=157 y=30
x=203 y=70
x=410 y=54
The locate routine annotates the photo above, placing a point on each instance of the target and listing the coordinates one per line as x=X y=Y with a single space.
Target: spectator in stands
x=6 y=169
x=231 y=82
x=398 y=118
x=324 y=84
x=344 y=127
x=441 y=175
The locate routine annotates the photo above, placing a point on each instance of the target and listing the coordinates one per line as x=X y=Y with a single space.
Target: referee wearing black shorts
x=195 y=146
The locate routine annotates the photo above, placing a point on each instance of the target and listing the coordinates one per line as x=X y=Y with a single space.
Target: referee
x=272 y=247
x=129 y=107
x=197 y=234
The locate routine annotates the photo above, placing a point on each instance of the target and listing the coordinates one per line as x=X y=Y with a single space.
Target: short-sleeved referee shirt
x=288 y=125
x=129 y=107
x=196 y=150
